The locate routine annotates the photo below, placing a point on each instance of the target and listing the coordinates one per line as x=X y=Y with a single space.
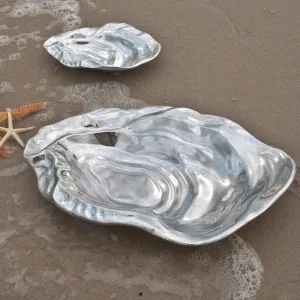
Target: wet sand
x=237 y=59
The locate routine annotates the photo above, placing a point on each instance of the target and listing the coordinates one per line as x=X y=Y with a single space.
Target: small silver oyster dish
x=115 y=47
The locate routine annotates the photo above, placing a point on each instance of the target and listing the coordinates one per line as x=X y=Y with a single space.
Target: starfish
x=11 y=131
x=18 y=113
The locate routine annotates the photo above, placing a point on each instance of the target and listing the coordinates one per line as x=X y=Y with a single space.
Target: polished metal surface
x=185 y=177
x=114 y=47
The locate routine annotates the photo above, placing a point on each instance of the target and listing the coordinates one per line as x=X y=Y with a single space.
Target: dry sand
x=238 y=59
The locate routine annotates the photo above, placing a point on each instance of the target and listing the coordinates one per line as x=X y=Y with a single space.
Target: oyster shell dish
x=115 y=47
x=186 y=177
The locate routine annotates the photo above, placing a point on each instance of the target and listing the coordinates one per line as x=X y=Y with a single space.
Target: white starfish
x=11 y=131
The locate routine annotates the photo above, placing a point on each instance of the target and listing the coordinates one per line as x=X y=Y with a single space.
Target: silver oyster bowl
x=185 y=177
x=115 y=47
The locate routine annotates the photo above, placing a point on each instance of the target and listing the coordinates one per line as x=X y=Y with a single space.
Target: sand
x=238 y=59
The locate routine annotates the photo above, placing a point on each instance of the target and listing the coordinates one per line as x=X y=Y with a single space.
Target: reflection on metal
x=185 y=177
x=115 y=47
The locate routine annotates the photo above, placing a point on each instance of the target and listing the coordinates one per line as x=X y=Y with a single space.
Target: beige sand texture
x=234 y=58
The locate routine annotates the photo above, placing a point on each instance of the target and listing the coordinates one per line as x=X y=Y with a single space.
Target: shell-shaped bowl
x=188 y=178
x=115 y=47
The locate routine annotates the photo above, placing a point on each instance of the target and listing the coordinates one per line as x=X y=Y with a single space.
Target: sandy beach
x=235 y=59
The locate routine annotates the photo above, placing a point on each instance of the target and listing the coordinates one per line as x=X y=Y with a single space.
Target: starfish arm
x=9 y=117
x=4 y=152
x=4 y=139
x=18 y=139
x=3 y=117
x=3 y=129
x=19 y=130
x=27 y=109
